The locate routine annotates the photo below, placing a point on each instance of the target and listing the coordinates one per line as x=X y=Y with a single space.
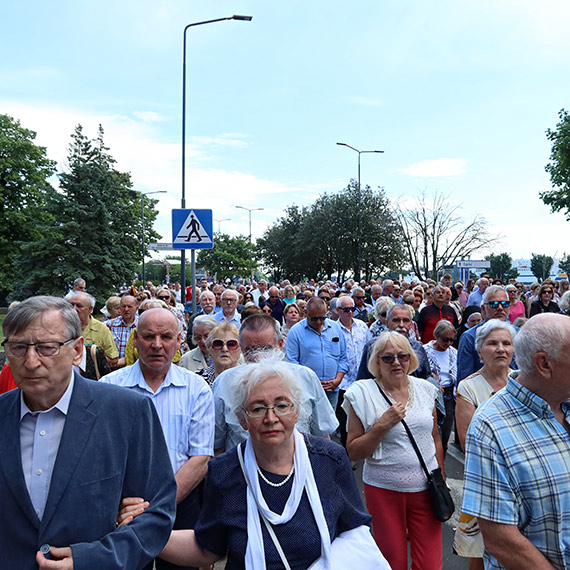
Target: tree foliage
x=501 y=267
x=540 y=265
x=322 y=239
x=229 y=257
x=435 y=234
x=95 y=227
x=564 y=264
x=559 y=166
x=24 y=173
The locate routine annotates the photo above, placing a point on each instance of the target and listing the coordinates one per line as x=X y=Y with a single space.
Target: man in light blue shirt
x=184 y=403
x=229 y=312
x=318 y=343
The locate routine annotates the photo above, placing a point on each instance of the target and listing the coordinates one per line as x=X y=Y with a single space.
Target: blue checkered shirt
x=517 y=470
x=121 y=332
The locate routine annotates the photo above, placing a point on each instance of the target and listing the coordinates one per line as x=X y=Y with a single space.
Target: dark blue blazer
x=112 y=446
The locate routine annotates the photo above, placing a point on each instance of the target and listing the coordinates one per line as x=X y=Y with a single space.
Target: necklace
x=276 y=484
x=408 y=404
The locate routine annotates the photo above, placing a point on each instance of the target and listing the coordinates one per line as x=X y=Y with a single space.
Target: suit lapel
x=11 y=462
x=78 y=426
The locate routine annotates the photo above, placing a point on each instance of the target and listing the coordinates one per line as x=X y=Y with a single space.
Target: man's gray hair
x=205 y=320
x=90 y=298
x=20 y=317
x=79 y=281
x=316 y=302
x=438 y=287
x=538 y=336
x=403 y=306
x=206 y=292
x=257 y=323
x=484 y=330
x=491 y=291
x=387 y=282
x=357 y=290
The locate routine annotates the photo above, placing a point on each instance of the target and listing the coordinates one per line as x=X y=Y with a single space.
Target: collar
x=529 y=399
x=62 y=404
x=135 y=377
x=326 y=326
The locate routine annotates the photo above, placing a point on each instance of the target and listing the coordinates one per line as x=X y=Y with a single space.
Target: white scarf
x=303 y=479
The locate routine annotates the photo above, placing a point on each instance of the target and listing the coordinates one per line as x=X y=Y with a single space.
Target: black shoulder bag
x=441 y=500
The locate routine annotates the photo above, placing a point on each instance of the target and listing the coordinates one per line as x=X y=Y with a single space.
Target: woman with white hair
x=281 y=499
x=381 y=308
x=494 y=343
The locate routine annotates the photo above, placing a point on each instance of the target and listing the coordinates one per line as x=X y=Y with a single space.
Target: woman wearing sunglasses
x=545 y=301
x=223 y=347
x=395 y=486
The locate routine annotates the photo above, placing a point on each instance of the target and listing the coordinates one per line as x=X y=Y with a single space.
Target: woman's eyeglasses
x=390 y=358
x=219 y=344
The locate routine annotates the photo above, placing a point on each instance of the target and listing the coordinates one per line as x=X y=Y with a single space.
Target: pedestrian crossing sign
x=192 y=229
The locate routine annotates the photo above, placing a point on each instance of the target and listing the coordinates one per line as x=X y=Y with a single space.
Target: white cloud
x=148 y=116
x=440 y=167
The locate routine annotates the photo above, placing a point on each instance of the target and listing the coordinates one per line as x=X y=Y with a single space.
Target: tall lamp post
x=183 y=201
x=250 y=210
x=143 y=194
x=220 y=224
x=359 y=228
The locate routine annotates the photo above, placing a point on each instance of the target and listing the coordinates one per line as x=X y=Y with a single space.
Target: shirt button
x=37 y=511
x=39 y=472
x=43 y=432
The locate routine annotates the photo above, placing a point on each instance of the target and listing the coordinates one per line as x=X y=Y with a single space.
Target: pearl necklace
x=276 y=484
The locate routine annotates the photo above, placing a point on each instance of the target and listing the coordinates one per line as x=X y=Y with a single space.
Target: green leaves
x=540 y=265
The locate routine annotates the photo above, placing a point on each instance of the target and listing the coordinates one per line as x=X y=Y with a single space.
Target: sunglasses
x=547 y=291
x=390 y=358
x=447 y=339
x=163 y=298
x=218 y=344
x=348 y=309
x=324 y=298
x=315 y=319
x=358 y=296
x=495 y=304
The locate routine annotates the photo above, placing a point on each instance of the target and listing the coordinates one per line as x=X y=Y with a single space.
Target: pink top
x=517 y=311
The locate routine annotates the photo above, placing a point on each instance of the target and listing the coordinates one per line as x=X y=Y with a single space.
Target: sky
x=458 y=95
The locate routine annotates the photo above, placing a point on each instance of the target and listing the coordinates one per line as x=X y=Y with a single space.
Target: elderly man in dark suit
x=71 y=450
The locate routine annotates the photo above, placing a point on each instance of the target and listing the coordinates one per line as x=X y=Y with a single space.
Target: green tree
x=322 y=239
x=96 y=228
x=435 y=234
x=559 y=166
x=564 y=264
x=24 y=173
x=501 y=267
x=228 y=258
x=540 y=265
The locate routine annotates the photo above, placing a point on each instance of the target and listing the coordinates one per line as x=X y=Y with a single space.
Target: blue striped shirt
x=517 y=470
x=185 y=406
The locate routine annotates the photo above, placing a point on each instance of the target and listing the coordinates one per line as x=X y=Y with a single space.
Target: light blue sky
x=457 y=94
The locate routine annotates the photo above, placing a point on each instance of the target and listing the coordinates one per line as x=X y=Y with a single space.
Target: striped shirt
x=121 y=332
x=185 y=406
x=517 y=470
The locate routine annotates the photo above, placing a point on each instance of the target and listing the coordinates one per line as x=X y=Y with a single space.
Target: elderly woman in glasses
x=443 y=362
x=223 y=347
x=544 y=301
x=395 y=486
x=298 y=486
x=381 y=308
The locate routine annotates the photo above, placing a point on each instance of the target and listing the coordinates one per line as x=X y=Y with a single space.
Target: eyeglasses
x=495 y=304
x=358 y=296
x=279 y=409
x=218 y=344
x=315 y=319
x=44 y=349
x=229 y=300
x=324 y=297
x=163 y=298
x=547 y=291
x=390 y=358
x=447 y=339
x=383 y=315
x=348 y=309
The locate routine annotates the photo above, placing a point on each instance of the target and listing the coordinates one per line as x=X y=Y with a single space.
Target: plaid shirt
x=121 y=332
x=517 y=470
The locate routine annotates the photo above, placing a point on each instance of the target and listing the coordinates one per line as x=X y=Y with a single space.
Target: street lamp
x=183 y=201
x=359 y=229
x=250 y=210
x=219 y=223
x=143 y=194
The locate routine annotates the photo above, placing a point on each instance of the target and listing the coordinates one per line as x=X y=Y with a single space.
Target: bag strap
x=93 y=352
x=408 y=431
x=267 y=523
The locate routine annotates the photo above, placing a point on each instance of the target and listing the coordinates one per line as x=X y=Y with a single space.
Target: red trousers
x=393 y=515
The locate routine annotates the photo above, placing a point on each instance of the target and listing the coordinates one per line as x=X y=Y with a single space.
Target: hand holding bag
x=441 y=500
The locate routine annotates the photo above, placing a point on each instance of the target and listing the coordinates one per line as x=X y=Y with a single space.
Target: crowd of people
x=247 y=393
